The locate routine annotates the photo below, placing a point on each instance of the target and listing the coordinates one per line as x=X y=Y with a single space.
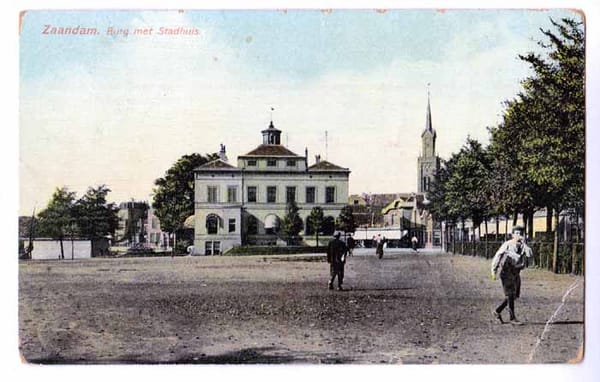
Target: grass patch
x=253 y=250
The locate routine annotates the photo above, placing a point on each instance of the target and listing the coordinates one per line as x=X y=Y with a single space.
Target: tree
x=57 y=220
x=557 y=88
x=465 y=187
x=174 y=193
x=292 y=223
x=94 y=215
x=345 y=221
x=544 y=126
x=315 y=221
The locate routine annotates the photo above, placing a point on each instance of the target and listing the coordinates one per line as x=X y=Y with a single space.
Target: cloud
x=126 y=118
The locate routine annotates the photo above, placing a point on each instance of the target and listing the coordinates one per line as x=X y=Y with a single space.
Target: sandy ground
x=405 y=308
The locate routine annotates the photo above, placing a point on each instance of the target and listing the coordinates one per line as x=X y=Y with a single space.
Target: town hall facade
x=244 y=204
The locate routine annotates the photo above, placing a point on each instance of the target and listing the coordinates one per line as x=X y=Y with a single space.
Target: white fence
x=50 y=249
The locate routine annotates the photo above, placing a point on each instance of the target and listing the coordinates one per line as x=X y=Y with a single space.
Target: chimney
x=222 y=154
x=306 y=158
x=317 y=159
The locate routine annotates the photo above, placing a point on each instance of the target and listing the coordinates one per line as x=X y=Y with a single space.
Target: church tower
x=428 y=163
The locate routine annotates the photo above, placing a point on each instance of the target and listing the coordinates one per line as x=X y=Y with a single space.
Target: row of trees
x=292 y=224
x=90 y=216
x=536 y=156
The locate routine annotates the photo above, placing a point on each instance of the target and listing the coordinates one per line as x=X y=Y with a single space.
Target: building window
x=212 y=248
x=290 y=163
x=212 y=224
x=329 y=194
x=212 y=194
x=231 y=225
x=271 y=162
x=252 y=225
x=232 y=194
x=310 y=194
x=271 y=194
x=252 y=194
x=251 y=162
x=290 y=194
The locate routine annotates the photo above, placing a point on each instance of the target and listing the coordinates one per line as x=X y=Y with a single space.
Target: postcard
x=302 y=187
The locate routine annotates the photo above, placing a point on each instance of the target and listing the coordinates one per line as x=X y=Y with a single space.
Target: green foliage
x=460 y=188
x=345 y=221
x=291 y=224
x=94 y=216
x=91 y=216
x=57 y=220
x=536 y=155
x=174 y=193
x=548 y=118
x=255 y=250
x=315 y=220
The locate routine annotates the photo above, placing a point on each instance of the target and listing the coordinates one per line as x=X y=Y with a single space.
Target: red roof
x=217 y=164
x=327 y=166
x=271 y=150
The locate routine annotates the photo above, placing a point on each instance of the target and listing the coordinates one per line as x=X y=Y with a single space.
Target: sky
x=121 y=109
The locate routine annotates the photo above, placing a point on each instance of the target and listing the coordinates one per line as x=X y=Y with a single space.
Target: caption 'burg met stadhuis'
x=113 y=31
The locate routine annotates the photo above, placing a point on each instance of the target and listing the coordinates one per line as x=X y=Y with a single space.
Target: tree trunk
x=515 y=218
x=548 y=221
x=497 y=227
x=62 y=250
x=575 y=245
x=555 y=246
x=486 y=238
x=454 y=239
x=462 y=238
x=530 y=221
x=506 y=227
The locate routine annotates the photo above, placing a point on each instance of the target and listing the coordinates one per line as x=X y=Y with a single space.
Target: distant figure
x=190 y=250
x=336 y=257
x=507 y=263
x=415 y=243
x=350 y=243
x=379 y=241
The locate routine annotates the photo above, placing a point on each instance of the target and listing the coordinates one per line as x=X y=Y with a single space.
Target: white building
x=243 y=204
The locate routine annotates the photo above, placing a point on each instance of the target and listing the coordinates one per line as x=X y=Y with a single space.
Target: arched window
x=212 y=224
x=271 y=224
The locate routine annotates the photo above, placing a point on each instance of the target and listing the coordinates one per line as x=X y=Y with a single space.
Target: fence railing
x=570 y=254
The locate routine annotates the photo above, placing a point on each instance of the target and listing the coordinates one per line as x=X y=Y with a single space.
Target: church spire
x=428 y=126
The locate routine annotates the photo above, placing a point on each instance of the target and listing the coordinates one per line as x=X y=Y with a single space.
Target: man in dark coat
x=336 y=257
x=350 y=243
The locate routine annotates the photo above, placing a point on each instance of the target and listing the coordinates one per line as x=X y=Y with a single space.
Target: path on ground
x=404 y=308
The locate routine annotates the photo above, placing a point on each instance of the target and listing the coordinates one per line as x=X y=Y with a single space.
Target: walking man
x=336 y=257
x=507 y=263
x=350 y=243
x=379 y=241
x=414 y=241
